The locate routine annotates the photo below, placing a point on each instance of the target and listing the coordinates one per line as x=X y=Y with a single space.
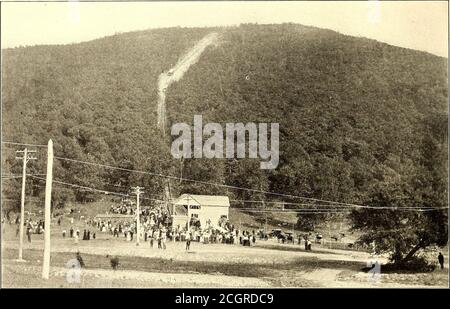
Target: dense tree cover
x=97 y=101
x=361 y=121
x=422 y=182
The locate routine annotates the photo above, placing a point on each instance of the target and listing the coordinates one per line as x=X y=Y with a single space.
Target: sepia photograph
x=224 y=144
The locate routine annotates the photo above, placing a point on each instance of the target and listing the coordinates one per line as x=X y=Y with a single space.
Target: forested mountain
x=360 y=121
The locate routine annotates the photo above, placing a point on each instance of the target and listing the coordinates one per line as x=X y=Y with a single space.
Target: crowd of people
x=75 y=234
x=152 y=219
x=125 y=208
x=31 y=226
x=156 y=229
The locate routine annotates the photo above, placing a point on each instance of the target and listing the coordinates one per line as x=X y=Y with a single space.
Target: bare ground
x=213 y=265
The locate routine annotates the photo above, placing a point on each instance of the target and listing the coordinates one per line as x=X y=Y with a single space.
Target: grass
x=280 y=274
x=32 y=279
x=286 y=272
x=145 y=264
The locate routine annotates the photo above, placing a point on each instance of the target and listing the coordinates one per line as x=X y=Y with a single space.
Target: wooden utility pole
x=329 y=232
x=25 y=158
x=189 y=218
x=265 y=225
x=47 y=212
x=167 y=196
x=181 y=169
x=138 y=192
x=265 y=212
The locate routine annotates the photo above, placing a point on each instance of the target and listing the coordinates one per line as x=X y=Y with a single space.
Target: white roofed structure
x=208 y=209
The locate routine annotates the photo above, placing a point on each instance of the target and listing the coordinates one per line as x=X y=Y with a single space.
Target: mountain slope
x=355 y=115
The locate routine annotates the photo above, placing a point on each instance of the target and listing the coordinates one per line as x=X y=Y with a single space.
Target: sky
x=411 y=24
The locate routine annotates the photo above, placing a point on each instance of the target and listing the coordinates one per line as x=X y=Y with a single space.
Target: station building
x=208 y=209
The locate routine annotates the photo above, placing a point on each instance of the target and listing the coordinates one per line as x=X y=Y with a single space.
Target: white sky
x=417 y=25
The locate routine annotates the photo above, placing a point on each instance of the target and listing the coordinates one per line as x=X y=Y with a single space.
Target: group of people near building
x=122 y=209
x=151 y=218
x=155 y=229
x=225 y=234
x=75 y=234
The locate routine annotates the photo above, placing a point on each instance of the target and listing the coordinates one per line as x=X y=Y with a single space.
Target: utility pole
x=138 y=192
x=329 y=232
x=265 y=212
x=189 y=218
x=265 y=225
x=27 y=156
x=47 y=212
x=181 y=169
x=167 y=196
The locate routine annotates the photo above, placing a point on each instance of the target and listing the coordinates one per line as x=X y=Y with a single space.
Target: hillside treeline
x=360 y=121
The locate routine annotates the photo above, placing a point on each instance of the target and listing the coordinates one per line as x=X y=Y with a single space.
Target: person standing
x=71 y=232
x=159 y=240
x=29 y=234
x=151 y=240
x=188 y=241
x=80 y=259
x=441 y=260
x=163 y=239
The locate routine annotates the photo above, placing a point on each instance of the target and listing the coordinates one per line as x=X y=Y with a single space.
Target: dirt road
x=214 y=265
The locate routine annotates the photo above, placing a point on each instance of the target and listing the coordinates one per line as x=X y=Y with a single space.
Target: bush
x=415 y=264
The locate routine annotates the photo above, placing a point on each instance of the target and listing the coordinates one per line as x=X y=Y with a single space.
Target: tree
x=307 y=222
x=400 y=231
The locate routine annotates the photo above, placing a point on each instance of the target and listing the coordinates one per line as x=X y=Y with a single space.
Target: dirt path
x=269 y=264
x=13 y=271
x=168 y=279
x=177 y=72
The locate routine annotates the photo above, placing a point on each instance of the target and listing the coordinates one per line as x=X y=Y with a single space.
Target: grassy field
x=267 y=264
x=138 y=271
